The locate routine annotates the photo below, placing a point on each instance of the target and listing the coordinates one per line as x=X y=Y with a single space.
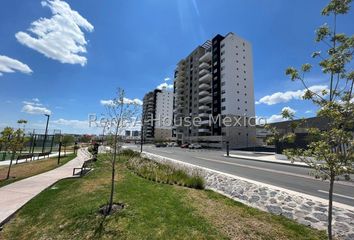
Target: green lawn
x=25 y=170
x=69 y=210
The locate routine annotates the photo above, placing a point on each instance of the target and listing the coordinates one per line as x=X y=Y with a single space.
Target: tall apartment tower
x=216 y=81
x=157 y=115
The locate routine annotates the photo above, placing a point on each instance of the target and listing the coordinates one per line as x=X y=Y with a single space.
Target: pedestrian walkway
x=15 y=195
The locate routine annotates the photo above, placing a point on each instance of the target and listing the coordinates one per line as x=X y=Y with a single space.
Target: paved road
x=289 y=177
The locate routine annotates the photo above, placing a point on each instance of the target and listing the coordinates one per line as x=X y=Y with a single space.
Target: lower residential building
x=157 y=115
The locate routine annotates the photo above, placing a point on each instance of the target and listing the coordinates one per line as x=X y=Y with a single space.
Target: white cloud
x=10 y=65
x=167 y=79
x=31 y=109
x=283 y=97
x=278 y=117
x=59 y=37
x=125 y=101
x=309 y=112
x=32 y=103
x=35 y=107
x=165 y=85
x=72 y=123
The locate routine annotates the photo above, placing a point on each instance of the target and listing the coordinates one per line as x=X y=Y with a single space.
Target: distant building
x=286 y=127
x=157 y=115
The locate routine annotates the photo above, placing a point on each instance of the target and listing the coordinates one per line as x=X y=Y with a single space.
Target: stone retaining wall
x=269 y=198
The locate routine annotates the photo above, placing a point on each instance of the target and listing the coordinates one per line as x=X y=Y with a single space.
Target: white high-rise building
x=216 y=80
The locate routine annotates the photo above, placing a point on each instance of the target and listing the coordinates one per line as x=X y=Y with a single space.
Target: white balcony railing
x=206 y=78
x=204 y=86
x=206 y=99
x=206 y=57
x=204 y=65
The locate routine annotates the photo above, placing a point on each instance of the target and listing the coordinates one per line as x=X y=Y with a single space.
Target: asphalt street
x=293 y=178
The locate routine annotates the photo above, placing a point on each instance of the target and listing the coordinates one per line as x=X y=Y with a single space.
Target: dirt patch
x=116 y=208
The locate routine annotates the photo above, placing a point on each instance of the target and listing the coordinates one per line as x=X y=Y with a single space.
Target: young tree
x=121 y=112
x=330 y=153
x=5 y=138
x=15 y=144
x=67 y=140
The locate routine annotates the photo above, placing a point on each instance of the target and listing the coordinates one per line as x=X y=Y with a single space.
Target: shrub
x=164 y=173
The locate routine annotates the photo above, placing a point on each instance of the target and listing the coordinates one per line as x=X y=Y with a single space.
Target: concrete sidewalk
x=15 y=195
x=263 y=158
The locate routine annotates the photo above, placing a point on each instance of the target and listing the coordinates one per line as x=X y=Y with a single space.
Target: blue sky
x=136 y=44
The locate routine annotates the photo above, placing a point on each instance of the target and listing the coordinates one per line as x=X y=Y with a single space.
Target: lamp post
x=46 y=131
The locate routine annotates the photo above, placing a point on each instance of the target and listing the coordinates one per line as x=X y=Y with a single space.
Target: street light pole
x=46 y=131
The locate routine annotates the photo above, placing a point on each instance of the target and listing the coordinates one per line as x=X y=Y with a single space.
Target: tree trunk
x=113 y=172
x=330 y=203
x=9 y=170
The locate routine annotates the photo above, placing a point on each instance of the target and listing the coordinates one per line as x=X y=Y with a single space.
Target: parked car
x=185 y=145
x=195 y=146
x=158 y=145
x=173 y=144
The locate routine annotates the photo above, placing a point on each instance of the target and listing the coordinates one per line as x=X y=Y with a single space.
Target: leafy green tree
x=330 y=153
x=5 y=138
x=67 y=140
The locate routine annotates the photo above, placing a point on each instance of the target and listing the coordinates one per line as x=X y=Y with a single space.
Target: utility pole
x=46 y=131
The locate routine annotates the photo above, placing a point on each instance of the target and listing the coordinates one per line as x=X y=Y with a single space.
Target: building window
x=222 y=83
x=222 y=53
x=222 y=45
x=223 y=108
x=223 y=100
x=238 y=100
x=222 y=91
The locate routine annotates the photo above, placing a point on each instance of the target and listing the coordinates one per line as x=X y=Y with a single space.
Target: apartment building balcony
x=179 y=83
x=204 y=115
x=204 y=93
x=204 y=86
x=204 y=65
x=203 y=72
x=205 y=108
x=206 y=99
x=206 y=78
x=204 y=130
x=206 y=57
x=205 y=122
